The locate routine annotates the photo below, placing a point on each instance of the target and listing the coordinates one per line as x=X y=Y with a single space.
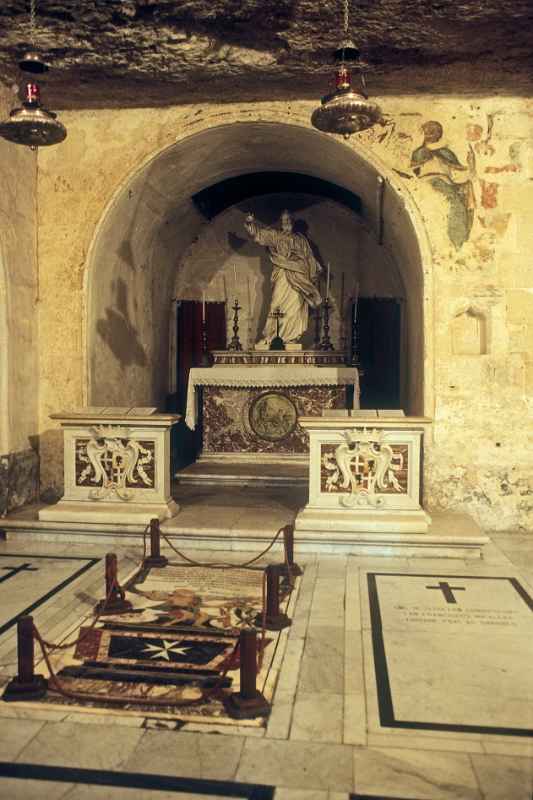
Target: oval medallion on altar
x=272 y=416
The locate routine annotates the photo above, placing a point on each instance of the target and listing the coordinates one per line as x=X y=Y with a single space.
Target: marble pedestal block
x=364 y=475
x=116 y=467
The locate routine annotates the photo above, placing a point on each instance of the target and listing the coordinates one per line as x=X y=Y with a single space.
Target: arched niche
x=152 y=220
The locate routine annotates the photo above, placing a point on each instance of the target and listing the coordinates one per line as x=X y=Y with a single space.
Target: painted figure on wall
x=295 y=271
x=439 y=165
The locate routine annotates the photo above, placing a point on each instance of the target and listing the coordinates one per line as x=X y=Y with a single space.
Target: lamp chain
x=32 y=22
x=346 y=15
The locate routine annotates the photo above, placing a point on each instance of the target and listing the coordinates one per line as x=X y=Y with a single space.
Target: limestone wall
x=468 y=173
x=18 y=322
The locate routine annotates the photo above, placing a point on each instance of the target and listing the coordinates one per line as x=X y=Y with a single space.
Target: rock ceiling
x=110 y=53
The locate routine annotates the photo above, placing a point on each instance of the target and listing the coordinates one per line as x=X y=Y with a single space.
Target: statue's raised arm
x=261 y=234
x=294 y=276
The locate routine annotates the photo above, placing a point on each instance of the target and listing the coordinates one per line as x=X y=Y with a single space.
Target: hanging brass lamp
x=32 y=124
x=345 y=111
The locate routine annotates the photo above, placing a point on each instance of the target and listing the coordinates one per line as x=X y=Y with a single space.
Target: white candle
x=203 y=306
x=235 y=275
x=355 y=301
x=327 y=283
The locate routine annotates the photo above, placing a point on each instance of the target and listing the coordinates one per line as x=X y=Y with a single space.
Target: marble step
x=240 y=473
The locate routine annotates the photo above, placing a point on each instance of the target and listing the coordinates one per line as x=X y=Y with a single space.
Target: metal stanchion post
x=27 y=685
x=248 y=702
x=288 y=545
x=275 y=620
x=114 y=601
x=155 y=559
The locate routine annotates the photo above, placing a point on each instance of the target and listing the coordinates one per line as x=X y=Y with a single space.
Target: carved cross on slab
x=15 y=571
x=448 y=590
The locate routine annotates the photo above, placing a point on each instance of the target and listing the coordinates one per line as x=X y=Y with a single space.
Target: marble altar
x=116 y=466
x=254 y=409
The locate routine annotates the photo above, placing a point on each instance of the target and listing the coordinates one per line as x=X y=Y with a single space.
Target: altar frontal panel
x=451 y=653
x=259 y=420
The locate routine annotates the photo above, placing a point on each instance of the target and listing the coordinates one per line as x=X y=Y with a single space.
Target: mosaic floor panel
x=177 y=645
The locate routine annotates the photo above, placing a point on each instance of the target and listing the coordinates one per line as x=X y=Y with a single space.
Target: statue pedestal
x=364 y=475
x=116 y=467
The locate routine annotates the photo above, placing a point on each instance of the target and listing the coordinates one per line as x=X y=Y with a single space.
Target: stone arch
x=151 y=219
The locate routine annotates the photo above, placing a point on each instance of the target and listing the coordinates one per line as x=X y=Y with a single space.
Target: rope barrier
x=221 y=564
x=205 y=694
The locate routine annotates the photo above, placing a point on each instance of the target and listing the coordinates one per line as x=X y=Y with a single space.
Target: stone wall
x=18 y=322
x=464 y=164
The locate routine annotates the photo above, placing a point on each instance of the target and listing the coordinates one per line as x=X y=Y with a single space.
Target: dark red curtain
x=378 y=340
x=189 y=354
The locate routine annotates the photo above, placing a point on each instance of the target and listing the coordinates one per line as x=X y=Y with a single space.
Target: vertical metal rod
x=248 y=663
x=155 y=533
x=26 y=685
x=379 y=206
x=354 y=356
x=110 y=576
x=25 y=650
x=114 y=601
x=272 y=598
x=288 y=543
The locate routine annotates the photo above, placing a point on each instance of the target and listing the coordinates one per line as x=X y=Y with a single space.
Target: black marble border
x=135 y=780
x=376 y=797
x=90 y=563
x=385 y=701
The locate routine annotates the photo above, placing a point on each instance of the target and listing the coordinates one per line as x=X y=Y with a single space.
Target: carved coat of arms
x=365 y=465
x=114 y=462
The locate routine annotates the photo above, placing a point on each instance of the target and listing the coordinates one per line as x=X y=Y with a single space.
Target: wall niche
x=469 y=332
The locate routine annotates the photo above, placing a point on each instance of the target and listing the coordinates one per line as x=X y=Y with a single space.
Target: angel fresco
x=440 y=166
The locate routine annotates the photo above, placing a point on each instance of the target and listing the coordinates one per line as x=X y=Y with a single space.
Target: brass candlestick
x=277 y=342
x=326 y=344
x=354 y=358
x=235 y=343
x=205 y=358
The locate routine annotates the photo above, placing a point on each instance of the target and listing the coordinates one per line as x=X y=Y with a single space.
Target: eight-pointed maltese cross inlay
x=165 y=649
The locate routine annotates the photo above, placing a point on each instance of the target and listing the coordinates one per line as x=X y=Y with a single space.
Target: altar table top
x=259 y=376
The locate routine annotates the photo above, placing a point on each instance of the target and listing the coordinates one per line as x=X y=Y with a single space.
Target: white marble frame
x=142 y=504
x=391 y=500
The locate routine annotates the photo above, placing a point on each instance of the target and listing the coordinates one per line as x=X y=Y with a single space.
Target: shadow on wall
x=51 y=443
x=118 y=332
x=19 y=480
x=263 y=293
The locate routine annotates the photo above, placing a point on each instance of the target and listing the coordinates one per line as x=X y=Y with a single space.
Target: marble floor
x=458 y=648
